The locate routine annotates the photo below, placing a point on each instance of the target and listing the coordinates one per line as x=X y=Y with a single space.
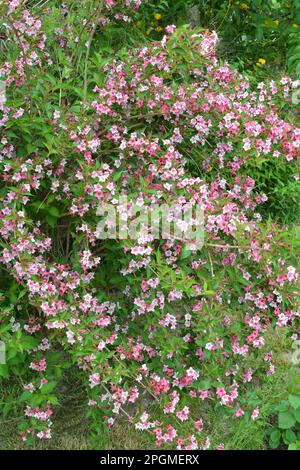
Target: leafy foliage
x=257 y=29
x=287 y=430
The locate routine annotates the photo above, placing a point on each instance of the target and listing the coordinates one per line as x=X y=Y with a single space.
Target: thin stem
x=88 y=51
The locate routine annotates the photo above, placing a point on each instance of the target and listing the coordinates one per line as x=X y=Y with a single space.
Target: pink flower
x=94 y=380
x=255 y=414
x=183 y=414
x=199 y=425
x=239 y=412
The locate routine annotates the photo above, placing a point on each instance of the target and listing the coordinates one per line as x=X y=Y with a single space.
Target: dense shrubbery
x=256 y=33
x=155 y=327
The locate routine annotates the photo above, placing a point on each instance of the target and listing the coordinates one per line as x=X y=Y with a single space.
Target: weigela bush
x=159 y=330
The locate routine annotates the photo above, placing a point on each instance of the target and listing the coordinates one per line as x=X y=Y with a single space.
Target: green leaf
x=289 y=436
x=51 y=220
x=7 y=408
x=48 y=387
x=294 y=401
x=274 y=440
x=53 y=400
x=293 y=446
x=25 y=396
x=286 y=420
x=3 y=370
x=185 y=252
x=52 y=210
x=29 y=342
x=297 y=415
x=30 y=148
x=11 y=352
x=275 y=435
x=283 y=406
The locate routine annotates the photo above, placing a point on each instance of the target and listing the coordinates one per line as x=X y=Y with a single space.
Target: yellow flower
x=139 y=24
x=262 y=61
x=157 y=16
x=244 y=6
x=276 y=22
x=258 y=64
x=295 y=25
x=159 y=29
x=148 y=32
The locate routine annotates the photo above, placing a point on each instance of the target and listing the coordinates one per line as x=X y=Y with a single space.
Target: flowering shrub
x=151 y=324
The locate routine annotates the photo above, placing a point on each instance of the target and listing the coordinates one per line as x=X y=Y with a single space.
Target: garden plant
x=123 y=104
